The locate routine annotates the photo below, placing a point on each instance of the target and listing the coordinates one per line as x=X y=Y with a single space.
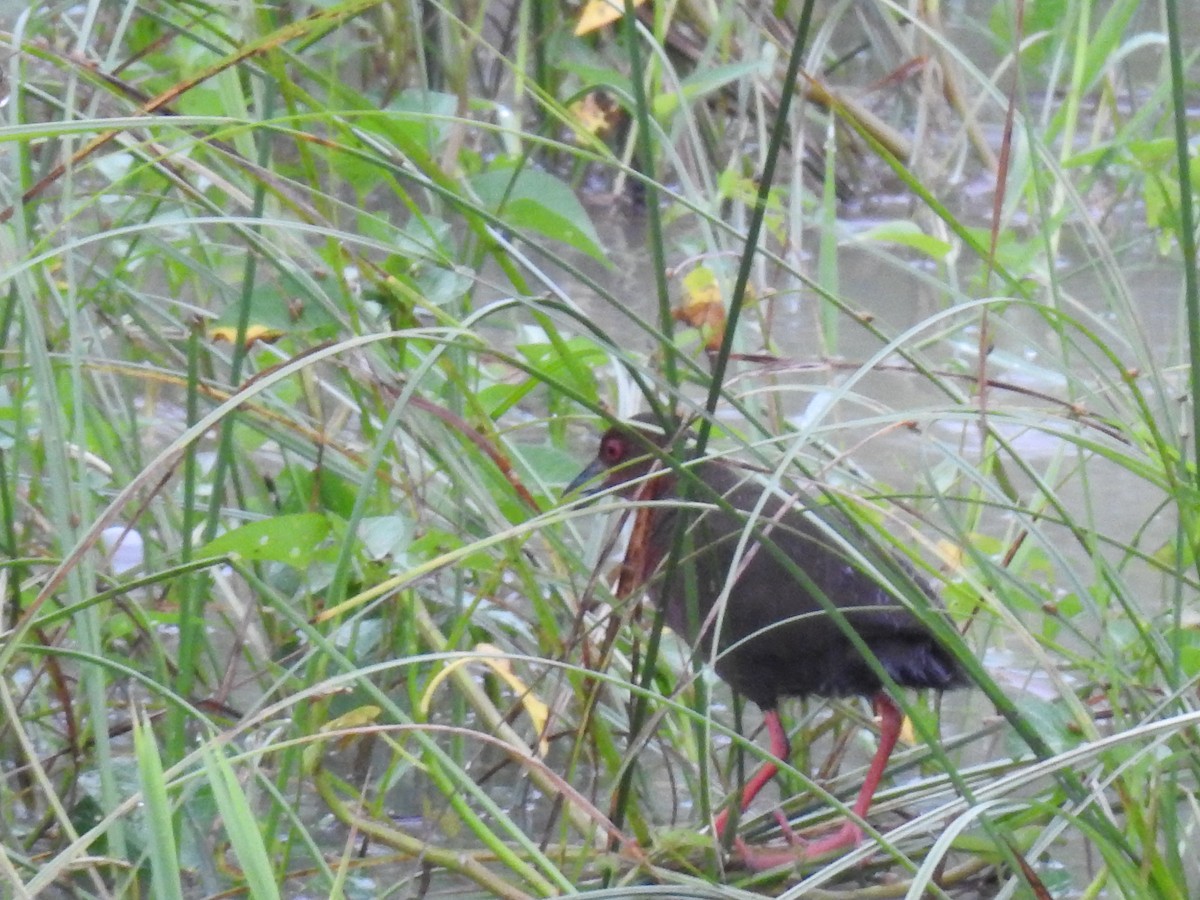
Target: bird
x=786 y=560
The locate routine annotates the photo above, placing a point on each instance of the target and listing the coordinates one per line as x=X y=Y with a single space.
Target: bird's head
x=627 y=452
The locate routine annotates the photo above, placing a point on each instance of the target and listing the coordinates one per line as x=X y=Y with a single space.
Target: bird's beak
x=591 y=473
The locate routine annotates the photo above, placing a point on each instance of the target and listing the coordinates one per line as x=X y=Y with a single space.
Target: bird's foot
x=760 y=859
x=788 y=831
x=847 y=837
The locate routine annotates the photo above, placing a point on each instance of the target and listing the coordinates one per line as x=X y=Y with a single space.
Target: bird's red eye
x=612 y=450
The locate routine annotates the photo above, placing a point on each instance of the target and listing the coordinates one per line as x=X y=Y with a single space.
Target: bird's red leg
x=780 y=749
x=850 y=834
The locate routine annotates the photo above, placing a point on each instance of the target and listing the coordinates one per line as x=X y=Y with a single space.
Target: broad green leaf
x=292 y=540
x=414 y=115
x=703 y=83
x=906 y=234
x=597 y=77
x=276 y=309
x=533 y=201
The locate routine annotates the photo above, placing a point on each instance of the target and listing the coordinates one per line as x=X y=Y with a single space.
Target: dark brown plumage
x=777 y=637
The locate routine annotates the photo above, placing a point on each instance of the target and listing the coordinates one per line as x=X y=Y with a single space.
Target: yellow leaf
x=355 y=718
x=596 y=113
x=264 y=333
x=538 y=712
x=702 y=306
x=360 y=715
x=596 y=14
x=950 y=553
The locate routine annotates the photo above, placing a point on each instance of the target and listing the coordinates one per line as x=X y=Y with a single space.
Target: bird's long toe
x=760 y=858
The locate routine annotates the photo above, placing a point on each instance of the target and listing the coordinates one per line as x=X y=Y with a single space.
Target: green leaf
x=164 y=856
x=1051 y=720
x=572 y=363
x=595 y=75
x=241 y=825
x=384 y=536
x=288 y=307
x=551 y=464
x=907 y=234
x=704 y=82
x=292 y=540
x=529 y=200
x=303 y=490
x=423 y=117
x=1106 y=42
x=1189 y=661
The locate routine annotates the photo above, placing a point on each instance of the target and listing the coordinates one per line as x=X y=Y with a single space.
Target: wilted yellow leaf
x=355 y=718
x=596 y=14
x=702 y=306
x=264 y=333
x=538 y=712
x=596 y=113
x=360 y=715
x=951 y=554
